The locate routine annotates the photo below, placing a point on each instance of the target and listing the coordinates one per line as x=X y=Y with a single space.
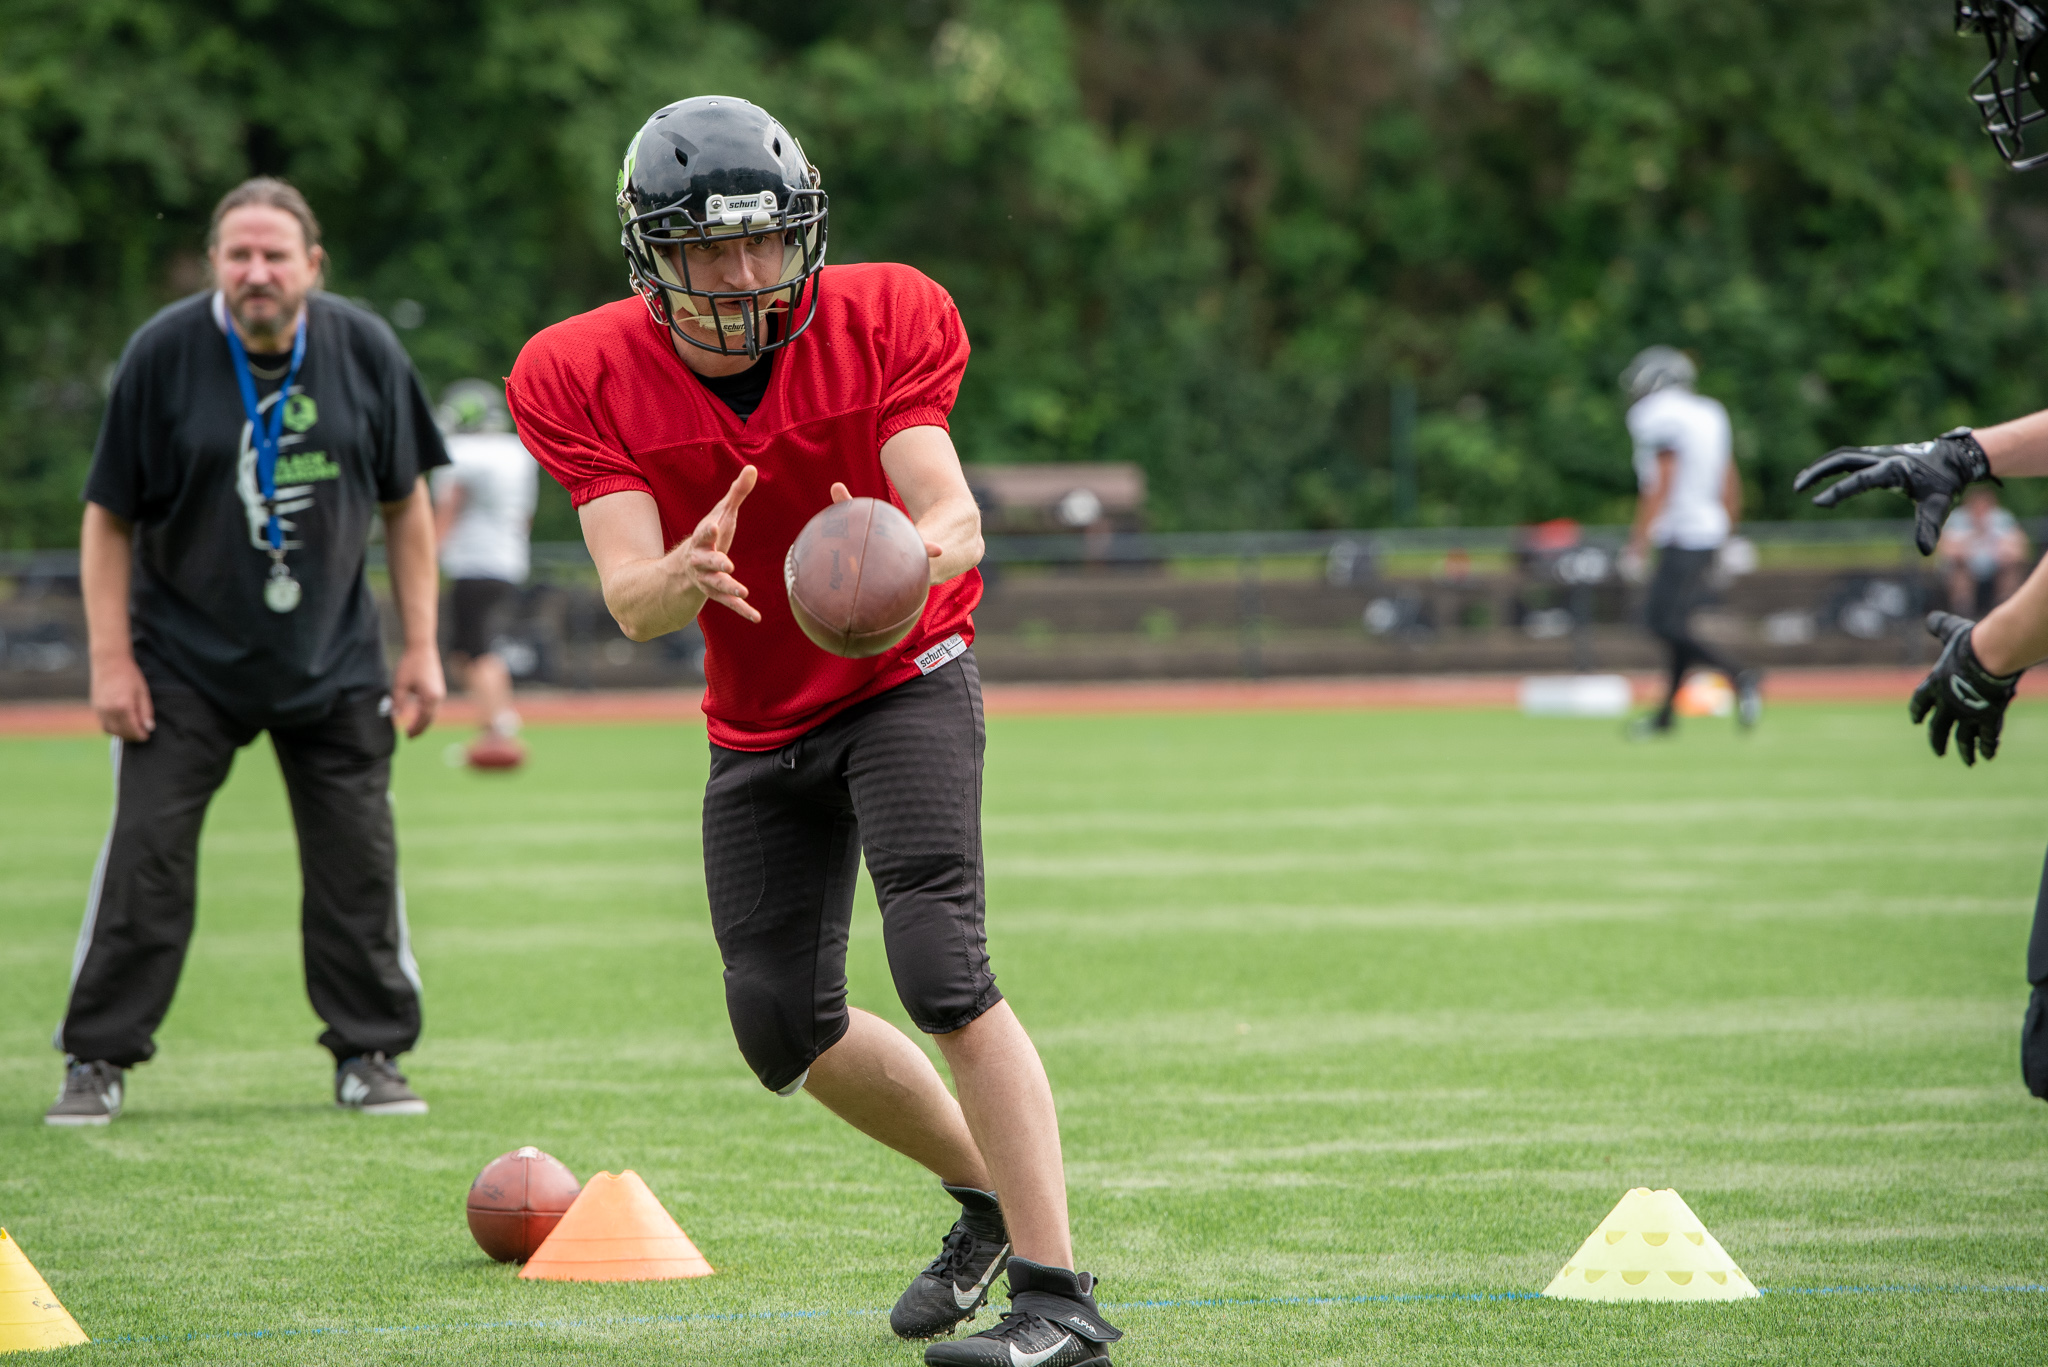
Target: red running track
x=1026 y=700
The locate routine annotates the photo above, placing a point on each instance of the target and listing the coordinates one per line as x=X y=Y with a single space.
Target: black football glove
x=1931 y=473
x=1961 y=693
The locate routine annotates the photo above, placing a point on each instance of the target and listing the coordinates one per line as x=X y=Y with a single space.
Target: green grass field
x=1359 y=1024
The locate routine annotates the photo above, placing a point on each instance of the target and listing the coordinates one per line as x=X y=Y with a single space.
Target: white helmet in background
x=473 y=406
x=1655 y=368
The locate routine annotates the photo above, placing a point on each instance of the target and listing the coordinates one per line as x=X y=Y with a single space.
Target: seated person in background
x=1984 y=552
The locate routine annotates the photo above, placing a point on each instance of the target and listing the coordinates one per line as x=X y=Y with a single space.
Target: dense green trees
x=1202 y=234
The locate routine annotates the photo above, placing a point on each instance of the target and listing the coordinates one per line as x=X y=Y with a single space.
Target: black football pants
x=1676 y=592
x=896 y=779
x=359 y=967
x=2034 y=1030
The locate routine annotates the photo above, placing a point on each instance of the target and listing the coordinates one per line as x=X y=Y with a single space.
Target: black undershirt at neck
x=742 y=393
x=269 y=365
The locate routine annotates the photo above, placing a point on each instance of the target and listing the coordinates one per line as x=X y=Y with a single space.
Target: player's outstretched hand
x=704 y=553
x=1931 y=473
x=1960 y=694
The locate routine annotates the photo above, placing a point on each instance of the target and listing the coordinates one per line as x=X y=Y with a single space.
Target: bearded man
x=251 y=433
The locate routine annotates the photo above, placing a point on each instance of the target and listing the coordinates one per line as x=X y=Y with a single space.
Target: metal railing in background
x=1208 y=603
x=1153 y=547
x=1136 y=548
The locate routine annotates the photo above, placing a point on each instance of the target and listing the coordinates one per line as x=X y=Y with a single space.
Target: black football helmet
x=2009 y=89
x=717 y=167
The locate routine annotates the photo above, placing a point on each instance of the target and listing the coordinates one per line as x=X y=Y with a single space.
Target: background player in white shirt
x=1691 y=495
x=483 y=520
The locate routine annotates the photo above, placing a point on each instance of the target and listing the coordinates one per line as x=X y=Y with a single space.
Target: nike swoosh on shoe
x=973 y=1295
x=1018 y=1359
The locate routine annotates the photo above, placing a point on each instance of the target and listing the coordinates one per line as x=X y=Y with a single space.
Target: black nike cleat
x=1052 y=1322
x=957 y=1283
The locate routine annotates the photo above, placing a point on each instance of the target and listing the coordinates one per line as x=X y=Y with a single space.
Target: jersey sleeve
x=930 y=356
x=550 y=402
x=408 y=441
x=128 y=431
x=1652 y=432
x=416 y=445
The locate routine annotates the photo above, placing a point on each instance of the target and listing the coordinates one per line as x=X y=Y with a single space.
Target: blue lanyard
x=265 y=434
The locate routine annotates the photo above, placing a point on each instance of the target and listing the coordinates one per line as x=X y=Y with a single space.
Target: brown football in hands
x=517 y=1200
x=857 y=576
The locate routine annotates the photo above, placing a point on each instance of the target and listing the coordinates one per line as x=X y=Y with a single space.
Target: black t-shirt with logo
x=175 y=458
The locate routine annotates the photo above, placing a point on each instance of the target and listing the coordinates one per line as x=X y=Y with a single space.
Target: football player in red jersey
x=698 y=427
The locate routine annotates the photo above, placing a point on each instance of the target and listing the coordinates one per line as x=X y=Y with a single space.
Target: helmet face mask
x=2009 y=90
x=716 y=170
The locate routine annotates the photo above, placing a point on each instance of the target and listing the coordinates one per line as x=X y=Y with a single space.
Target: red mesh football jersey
x=605 y=404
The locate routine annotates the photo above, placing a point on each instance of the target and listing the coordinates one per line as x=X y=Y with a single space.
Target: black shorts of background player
x=225 y=596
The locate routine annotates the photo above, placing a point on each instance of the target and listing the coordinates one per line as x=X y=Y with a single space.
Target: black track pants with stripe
x=360 y=973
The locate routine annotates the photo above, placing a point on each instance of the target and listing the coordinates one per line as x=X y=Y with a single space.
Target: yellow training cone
x=1651 y=1247
x=29 y=1314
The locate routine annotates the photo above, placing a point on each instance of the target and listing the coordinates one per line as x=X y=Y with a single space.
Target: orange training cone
x=616 y=1232
x=30 y=1316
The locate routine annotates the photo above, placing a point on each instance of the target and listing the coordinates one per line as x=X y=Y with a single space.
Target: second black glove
x=1961 y=694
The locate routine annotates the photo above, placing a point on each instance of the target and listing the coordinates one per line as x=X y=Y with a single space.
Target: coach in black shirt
x=251 y=433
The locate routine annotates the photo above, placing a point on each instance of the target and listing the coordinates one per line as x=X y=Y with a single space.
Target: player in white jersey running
x=1691 y=495
x=483 y=519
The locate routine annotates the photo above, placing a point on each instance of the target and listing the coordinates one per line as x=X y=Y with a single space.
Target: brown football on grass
x=857 y=576
x=516 y=1202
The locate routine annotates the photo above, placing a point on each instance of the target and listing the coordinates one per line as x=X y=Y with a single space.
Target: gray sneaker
x=372 y=1084
x=91 y=1095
